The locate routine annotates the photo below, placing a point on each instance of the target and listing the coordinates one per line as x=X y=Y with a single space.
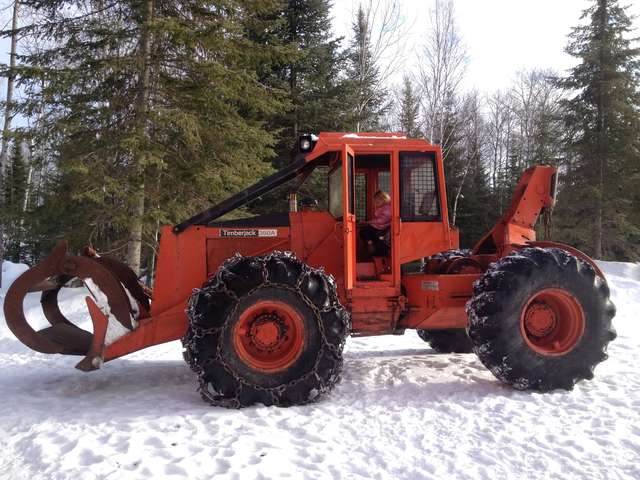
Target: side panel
x=421 y=239
x=317 y=239
x=223 y=243
x=169 y=325
x=182 y=266
x=437 y=301
x=375 y=308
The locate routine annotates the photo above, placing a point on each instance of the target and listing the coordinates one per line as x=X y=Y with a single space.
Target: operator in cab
x=376 y=230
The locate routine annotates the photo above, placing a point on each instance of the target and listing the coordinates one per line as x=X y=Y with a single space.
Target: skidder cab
x=263 y=305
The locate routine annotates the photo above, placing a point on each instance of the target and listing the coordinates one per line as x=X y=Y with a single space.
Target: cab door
x=422 y=215
x=348 y=217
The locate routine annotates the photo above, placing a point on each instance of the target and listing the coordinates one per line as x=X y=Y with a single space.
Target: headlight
x=306 y=143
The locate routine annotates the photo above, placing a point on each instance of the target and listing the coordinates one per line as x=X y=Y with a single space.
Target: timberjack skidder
x=263 y=305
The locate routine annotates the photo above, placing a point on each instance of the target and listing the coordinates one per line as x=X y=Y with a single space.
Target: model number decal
x=252 y=232
x=430 y=285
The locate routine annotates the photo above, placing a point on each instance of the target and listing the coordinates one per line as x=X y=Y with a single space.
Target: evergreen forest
x=126 y=116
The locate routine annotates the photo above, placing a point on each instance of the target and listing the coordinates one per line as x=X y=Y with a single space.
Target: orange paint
x=269 y=336
x=380 y=297
x=552 y=322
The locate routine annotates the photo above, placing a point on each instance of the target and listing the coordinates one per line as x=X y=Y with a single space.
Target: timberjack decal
x=253 y=232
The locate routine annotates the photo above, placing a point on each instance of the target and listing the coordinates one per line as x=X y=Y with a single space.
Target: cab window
x=335 y=191
x=418 y=187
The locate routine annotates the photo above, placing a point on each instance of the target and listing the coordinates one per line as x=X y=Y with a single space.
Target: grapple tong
x=116 y=303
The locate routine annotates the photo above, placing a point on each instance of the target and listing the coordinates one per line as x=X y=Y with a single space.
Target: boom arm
x=535 y=192
x=245 y=196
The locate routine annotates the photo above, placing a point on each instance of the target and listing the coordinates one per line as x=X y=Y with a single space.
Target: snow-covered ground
x=401 y=412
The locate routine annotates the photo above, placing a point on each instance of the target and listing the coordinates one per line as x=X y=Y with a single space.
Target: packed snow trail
x=400 y=412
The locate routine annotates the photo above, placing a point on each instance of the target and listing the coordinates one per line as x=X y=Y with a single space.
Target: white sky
x=501 y=36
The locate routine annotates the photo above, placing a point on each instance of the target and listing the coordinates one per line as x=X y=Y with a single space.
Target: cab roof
x=369 y=142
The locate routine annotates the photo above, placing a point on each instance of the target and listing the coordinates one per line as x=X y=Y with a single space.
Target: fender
x=573 y=251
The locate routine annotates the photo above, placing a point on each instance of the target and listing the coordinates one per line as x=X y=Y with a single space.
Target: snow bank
x=11 y=271
x=400 y=412
x=621 y=269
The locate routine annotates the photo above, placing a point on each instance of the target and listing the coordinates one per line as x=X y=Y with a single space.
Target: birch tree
x=472 y=126
x=442 y=68
x=8 y=106
x=375 y=52
x=8 y=116
x=142 y=131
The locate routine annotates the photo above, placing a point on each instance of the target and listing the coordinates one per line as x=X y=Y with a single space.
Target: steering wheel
x=308 y=202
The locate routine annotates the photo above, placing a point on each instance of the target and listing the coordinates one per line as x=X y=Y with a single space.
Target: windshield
x=335 y=191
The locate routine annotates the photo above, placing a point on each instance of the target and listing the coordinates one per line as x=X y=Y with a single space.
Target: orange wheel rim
x=552 y=322
x=269 y=336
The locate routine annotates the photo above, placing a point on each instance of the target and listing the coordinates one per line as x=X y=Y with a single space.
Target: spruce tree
x=15 y=191
x=311 y=73
x=312 y=77
x=409 y=113
x=153 y=110
x=16 y=185
x=597 y=208
x=367 y=95
x=477 y=212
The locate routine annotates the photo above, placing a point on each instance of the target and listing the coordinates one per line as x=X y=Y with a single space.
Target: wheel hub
x=552 y=322
x=540 y=320
x=267 y=331
x=269 y=336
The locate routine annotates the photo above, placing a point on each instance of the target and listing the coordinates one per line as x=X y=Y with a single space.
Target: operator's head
x=381 y=197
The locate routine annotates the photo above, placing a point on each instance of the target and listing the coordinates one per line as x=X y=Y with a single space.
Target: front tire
x=266 y=330
x=540 y=319
x=450 y=340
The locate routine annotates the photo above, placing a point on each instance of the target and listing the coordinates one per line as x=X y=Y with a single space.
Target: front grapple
x=116 y=303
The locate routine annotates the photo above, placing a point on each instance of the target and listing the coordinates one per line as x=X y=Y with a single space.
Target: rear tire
x=540 y=319
x=451 y=262
x=266 y=330
x=451 y=340
x=448 y=254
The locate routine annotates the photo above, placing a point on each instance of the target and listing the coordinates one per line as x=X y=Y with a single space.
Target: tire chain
x=217 y=284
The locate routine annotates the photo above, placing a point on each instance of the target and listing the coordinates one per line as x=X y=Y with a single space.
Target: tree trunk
x=4 y=150
x=134 y=246
x=27 y=192
x=597 y=233
x=8 y=115
x=600 y=138
x=459 y=192
x=597 y=220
